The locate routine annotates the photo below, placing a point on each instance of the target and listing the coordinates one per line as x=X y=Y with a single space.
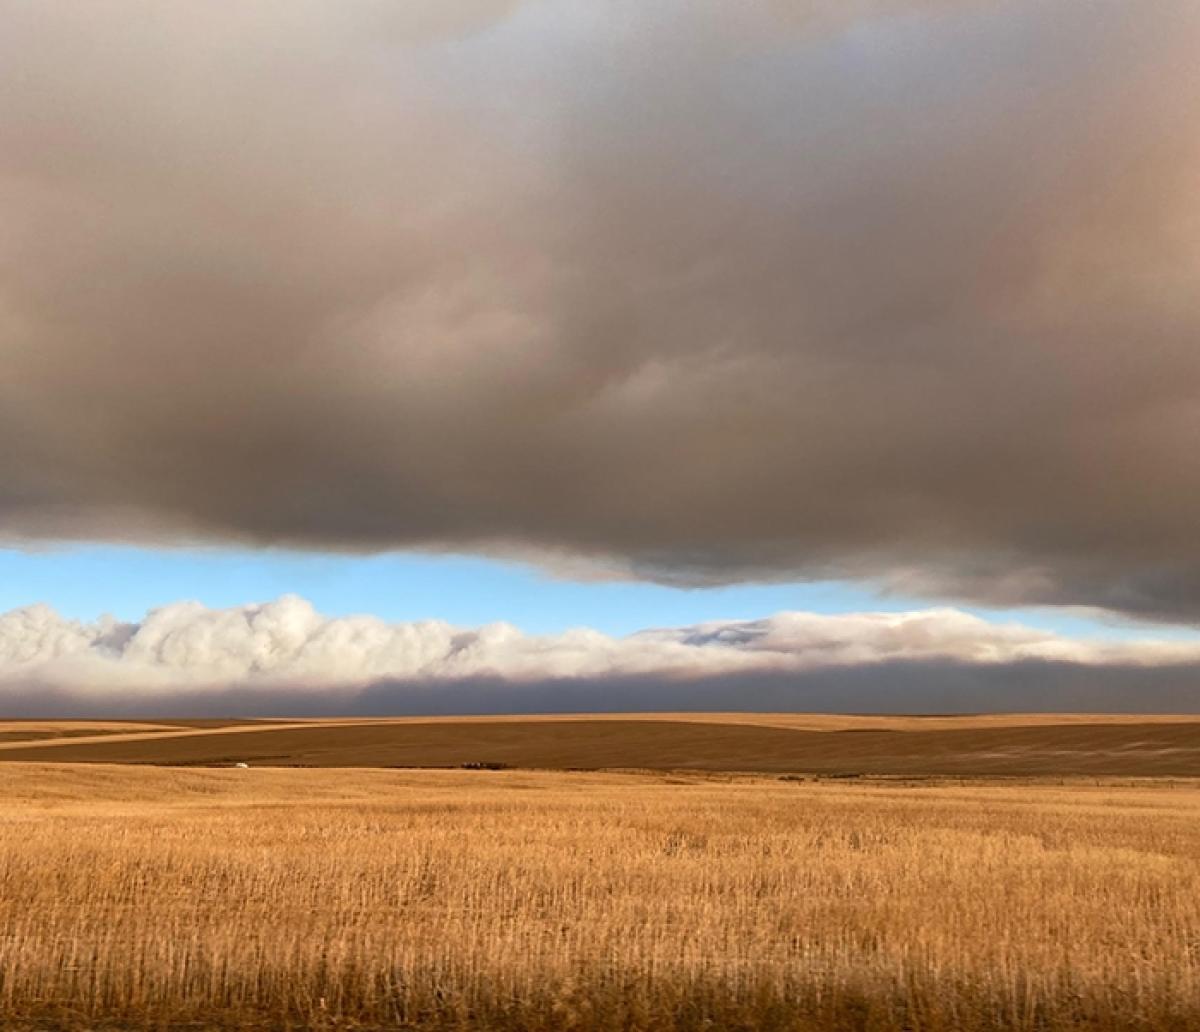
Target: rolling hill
x=768 y=743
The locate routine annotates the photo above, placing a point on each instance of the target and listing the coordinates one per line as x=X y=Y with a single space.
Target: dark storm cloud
x=704 y=291
x=905 y=686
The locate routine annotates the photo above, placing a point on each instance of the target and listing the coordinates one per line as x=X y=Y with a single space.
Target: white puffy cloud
x=288 y=644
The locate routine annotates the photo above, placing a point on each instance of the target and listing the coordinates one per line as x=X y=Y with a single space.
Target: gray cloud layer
x=894 y=686
x=696 y=291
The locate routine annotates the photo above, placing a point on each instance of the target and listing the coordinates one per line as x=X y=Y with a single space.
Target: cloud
x=284 y=657
x=688 y=291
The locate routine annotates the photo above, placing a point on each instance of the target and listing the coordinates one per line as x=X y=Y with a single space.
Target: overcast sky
x=887 y=305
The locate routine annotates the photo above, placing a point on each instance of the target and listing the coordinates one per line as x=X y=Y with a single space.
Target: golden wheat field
x=137 y=897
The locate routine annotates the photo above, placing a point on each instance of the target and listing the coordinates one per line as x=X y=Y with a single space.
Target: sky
x=86 y=582
x=481 y=354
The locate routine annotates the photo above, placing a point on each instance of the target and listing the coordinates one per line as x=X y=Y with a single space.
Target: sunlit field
x=158 y=898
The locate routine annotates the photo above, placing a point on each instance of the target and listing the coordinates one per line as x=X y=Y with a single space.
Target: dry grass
x=799 y=721
x=150 y=898
x=26 y=731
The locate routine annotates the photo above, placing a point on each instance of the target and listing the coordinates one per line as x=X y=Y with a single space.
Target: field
x=1009 y=745
x=151 y=897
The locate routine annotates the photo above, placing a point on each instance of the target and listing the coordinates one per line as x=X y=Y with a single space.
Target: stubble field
x=143 y=897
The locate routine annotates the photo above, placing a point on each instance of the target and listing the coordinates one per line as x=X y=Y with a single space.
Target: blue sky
x=83 y=582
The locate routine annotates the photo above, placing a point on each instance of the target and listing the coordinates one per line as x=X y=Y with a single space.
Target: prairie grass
x=352 y=899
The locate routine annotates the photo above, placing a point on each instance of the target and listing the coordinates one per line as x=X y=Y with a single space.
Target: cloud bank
x=897 y=290
x=284 y=657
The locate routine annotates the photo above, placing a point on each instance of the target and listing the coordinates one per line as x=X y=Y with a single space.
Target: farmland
x=999 y=745
x=158 y=897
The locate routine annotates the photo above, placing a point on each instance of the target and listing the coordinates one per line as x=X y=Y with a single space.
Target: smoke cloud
x=703 y=291
x=284 y=657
